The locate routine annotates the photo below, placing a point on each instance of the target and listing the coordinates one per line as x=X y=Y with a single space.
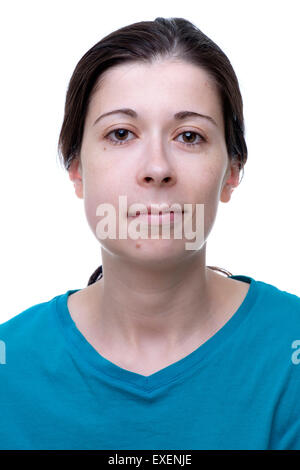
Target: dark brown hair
x=145 y=41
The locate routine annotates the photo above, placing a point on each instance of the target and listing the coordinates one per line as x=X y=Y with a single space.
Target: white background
x=47 y=246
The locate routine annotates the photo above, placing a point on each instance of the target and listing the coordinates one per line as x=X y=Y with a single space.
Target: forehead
x=157 y=89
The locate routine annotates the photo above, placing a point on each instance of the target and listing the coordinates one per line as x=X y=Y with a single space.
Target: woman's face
x=153 y=159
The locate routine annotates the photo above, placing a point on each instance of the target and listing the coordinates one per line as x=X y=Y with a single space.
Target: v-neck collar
x=95 y=363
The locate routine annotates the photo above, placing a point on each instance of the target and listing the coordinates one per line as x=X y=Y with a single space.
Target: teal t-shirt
x=238 y=390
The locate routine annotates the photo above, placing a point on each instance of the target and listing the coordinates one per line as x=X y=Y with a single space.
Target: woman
x=159 y=351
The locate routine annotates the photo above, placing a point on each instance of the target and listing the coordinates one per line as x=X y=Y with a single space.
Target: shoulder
x=275 y=335
x=28 y=314
x=32 y=325
x=271 y=306
x=273 y=319
x=275 y=316
x=274 y=326
x=280 y=303
x=29 y=339
x=271 y=298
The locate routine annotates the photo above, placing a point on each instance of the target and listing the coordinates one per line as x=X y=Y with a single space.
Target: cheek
x=205 y=184
x=99 y=190
x=205 y=189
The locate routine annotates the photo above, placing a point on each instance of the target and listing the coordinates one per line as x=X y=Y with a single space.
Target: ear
x=231 y=181
x=75 y=175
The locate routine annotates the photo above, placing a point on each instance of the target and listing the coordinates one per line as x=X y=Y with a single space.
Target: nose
x=157 y=169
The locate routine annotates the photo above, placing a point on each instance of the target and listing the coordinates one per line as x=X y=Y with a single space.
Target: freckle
x=104 y=148
x=138 y=245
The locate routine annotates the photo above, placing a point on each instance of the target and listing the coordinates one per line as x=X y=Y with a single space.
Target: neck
x=143 y=306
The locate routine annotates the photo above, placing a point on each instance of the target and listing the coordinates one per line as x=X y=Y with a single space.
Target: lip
x=158 y=210
x=159 y=219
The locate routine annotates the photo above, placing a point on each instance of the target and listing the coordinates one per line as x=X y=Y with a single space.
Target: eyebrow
x=177 y=116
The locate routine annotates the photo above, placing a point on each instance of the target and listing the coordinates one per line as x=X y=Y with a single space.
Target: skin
x=157 y=302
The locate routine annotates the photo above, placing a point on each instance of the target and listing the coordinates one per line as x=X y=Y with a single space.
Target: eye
x=123 y=133
x=192 y=134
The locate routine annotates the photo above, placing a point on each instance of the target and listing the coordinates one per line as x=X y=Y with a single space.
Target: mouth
x=158 y=218
x=154 y=211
